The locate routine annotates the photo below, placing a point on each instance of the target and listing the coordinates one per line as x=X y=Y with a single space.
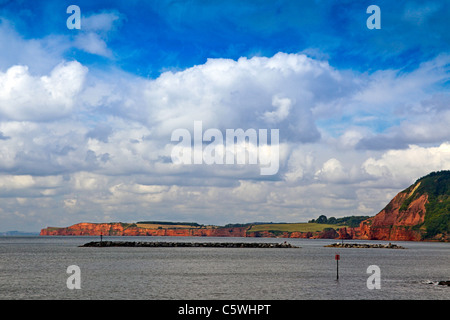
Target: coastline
x=337 y=233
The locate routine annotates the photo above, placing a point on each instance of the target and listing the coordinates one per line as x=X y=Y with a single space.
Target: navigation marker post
x=337 y=257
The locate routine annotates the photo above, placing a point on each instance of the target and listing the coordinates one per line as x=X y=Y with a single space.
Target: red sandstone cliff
x=393 y=223
x=123 y=229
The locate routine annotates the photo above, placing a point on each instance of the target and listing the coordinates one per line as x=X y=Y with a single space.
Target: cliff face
x=122 y=229
x=394 y=222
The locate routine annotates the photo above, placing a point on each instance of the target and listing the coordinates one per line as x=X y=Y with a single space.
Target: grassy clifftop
x=437 y=217
x=291 y=227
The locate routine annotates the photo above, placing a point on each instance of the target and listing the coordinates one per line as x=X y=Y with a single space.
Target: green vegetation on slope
x=352 y=221
x=169 y=223
x=437 y=186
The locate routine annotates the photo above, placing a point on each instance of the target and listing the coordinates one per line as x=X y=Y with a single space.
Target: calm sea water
x=36 y=268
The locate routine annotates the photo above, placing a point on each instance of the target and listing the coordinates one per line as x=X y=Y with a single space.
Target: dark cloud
x=3 y=137
x=101 y=132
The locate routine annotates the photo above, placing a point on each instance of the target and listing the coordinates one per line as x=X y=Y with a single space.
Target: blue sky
x=151 y=36
x=86 y=115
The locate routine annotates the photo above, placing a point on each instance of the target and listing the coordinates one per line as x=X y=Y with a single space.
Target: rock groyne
x=187 y=244
x=364 y=245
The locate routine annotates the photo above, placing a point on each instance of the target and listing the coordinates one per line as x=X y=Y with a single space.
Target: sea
x=41 y=268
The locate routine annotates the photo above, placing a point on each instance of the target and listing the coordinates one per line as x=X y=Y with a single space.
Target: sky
x=87 y=115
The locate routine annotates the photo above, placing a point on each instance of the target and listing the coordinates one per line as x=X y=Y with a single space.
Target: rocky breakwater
x=438 y=283
x=364 y=245
x=137 y=244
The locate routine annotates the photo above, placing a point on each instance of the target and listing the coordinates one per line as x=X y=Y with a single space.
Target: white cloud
x=281 y=112
x=70 y=203
x=249 y=191
x=27 y=97
x=300 y=165
x=350 y=138
x=16 y=182
x=102 y=22
x=95 y=31
x=406 y=166
x=332 y=170
x=40 y=56
x=92 y=43
x=391 y=87
x=240 y=94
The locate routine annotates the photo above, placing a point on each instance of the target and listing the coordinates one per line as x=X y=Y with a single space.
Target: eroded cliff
x=125 y=229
